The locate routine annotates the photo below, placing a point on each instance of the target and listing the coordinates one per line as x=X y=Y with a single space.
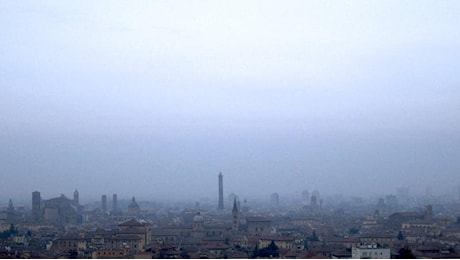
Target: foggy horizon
x=154 y=99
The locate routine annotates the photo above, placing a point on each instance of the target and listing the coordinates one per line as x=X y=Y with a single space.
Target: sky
x=154 y=98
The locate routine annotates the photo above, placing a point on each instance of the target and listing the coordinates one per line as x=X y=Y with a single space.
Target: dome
x=133 y=204
x=198 y=218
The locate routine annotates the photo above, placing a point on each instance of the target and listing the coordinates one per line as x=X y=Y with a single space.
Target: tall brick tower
x=221 y=192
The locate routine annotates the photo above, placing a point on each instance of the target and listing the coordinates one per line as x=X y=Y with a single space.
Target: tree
x=400 y=236
x=314 y=237
x=73 y=254
x=305 y=244
x=271 y=250
x=12 y=229
x=7 y=233
x=184 y=254
x=353 y=231
x=405 y=253
x=255 y=253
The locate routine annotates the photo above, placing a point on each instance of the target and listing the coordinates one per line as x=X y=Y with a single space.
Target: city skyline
x=392 y=227
x=230 y=129
x=224 y=201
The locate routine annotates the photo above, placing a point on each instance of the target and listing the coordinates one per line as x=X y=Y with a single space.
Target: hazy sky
x=154 y=98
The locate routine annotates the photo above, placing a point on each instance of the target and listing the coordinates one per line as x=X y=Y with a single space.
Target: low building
x=282 y=242
x=371 y=251
x=131 y=237
x=377 y=238
x=258 y=225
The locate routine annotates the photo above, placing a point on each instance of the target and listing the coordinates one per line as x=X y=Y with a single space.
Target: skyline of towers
x=49 y=210
x=221 y=192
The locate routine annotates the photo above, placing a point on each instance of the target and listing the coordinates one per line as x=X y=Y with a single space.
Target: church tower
x=104 y=203
x=76 y=198
x=221 y=192
x=235 y=216
x=36 y=206
x=10 y=211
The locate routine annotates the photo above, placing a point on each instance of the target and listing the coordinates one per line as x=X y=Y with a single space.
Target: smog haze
x=154 y=98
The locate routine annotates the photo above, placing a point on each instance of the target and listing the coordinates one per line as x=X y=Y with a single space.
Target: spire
x=76 y=200
x=133 y=204
x=235 y=216
x=235 y=207
x=10 y=206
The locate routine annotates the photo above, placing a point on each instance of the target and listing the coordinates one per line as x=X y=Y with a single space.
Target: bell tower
x=235 y=216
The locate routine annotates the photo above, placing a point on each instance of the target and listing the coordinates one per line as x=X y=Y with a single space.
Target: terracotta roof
x=218 y=246
x=257 y=219
x=131 y=222
x=278 y=238
x=125 y=236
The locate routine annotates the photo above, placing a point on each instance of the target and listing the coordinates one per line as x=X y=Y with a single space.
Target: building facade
x=370 y=252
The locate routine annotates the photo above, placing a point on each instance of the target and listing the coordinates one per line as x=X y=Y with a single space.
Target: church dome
x=133 y=204
x=198 y=218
